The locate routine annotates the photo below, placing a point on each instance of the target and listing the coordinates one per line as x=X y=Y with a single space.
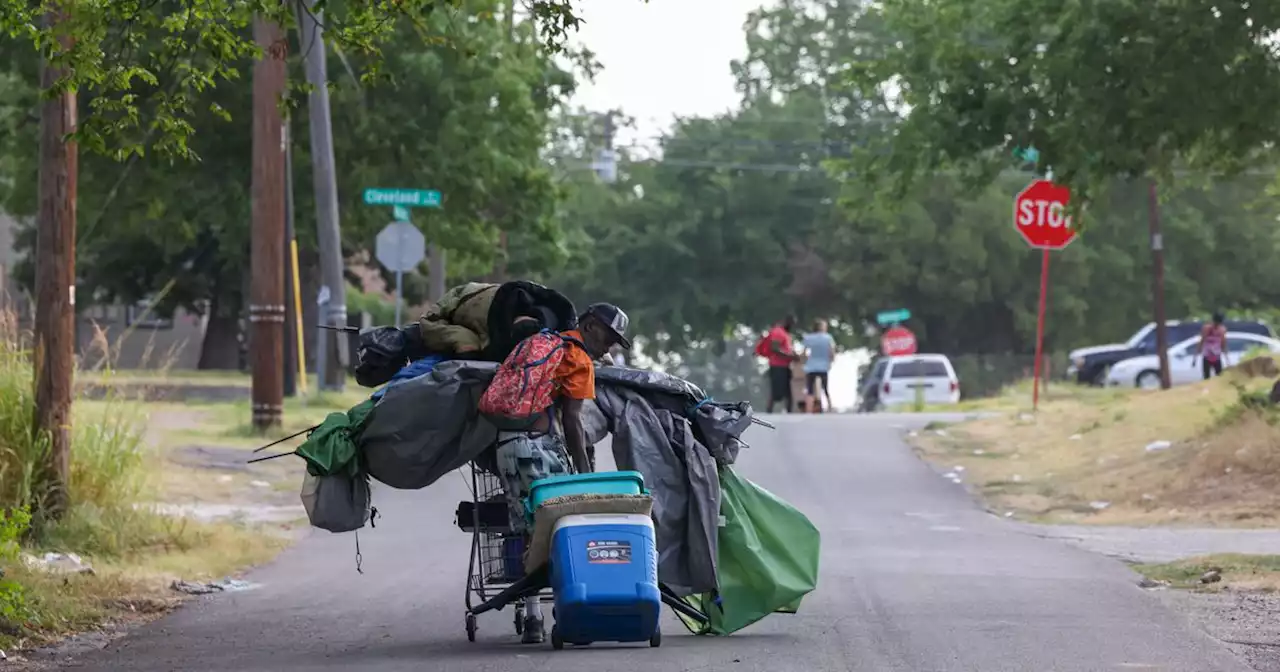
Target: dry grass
x=1238 y=572
x=1083 y=458
x=131 y=587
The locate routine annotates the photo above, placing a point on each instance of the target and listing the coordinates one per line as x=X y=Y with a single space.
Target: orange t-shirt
x=576 y=375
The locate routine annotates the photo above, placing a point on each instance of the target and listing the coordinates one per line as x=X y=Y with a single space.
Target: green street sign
x=1027 y=154
x=893 y=316
x=409 y=198
x=400 y=213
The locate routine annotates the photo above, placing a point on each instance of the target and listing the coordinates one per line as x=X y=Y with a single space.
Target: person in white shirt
x=820 y=349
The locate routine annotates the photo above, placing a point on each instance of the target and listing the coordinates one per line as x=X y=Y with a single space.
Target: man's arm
x=777 y=349
x=575 y=437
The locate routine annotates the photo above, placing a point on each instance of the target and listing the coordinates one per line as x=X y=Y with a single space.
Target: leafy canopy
x=144 y=65
x=1116 y=88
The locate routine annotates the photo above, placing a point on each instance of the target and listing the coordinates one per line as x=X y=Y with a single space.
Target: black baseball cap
x=611 y=317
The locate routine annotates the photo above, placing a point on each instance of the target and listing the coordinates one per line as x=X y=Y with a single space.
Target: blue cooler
x=604 y=573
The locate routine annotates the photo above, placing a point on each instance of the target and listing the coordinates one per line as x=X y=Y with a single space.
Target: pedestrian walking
x=1212 y=345
x=820 y=352
x=776 y=347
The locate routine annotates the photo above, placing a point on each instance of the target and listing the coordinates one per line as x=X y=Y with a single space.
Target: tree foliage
x=1123 y=88
x=144 y=68
x=467 y=115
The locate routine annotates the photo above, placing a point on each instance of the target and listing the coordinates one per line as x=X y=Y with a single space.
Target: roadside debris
x=1158 y=445
x=1152 y=584
x=227 y=585
x=1214 y=575
x=1075 y=437
x=58 y=563
x=260 y=484
x=979 y=451
x=1099 y=505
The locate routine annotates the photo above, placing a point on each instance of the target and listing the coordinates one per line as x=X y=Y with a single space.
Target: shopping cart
x=495 y=575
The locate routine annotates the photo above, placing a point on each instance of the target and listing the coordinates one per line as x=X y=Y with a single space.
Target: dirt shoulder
x=206 y=515
x=1233 y=597
x=1198 y=455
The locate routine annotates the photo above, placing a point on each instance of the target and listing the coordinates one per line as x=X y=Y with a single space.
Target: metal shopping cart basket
x=495 y=574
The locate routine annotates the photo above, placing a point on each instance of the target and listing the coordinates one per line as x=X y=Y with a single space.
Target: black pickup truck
x=1089 y=365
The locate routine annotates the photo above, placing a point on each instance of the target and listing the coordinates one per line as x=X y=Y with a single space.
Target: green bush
x=13 y=604
x=108 y=460
x=382 y=311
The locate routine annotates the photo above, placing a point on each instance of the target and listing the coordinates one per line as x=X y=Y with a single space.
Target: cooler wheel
x=556 y=642
x=471 y=627
x=520 y=620
x=656 y=640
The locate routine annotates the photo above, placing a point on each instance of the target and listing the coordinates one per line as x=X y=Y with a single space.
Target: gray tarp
x=425 y=427
x=681 y=475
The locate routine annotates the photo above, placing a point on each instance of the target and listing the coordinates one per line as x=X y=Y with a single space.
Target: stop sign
x=1040 y=215
x=898 y=341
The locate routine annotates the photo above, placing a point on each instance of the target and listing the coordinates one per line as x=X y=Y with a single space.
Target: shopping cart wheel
x=471 y=627
x=520 y=620
x=656 y=640
x=556 y=642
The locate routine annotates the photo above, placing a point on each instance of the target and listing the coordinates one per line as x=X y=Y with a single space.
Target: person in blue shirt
x=821 y=350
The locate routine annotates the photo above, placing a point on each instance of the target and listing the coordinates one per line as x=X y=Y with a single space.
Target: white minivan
x=927 y=379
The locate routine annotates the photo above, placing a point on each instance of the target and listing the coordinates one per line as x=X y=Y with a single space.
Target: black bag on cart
x=337 y=503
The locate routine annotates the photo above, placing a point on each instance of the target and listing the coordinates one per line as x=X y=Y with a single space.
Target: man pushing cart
x=546 y=373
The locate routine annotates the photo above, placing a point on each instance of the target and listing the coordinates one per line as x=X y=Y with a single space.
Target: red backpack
x=524 y=385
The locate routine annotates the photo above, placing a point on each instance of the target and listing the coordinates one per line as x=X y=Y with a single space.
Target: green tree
x=143 y=72
x=466 y=116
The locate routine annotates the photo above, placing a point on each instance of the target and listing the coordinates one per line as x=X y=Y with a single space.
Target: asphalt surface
x=914 y=578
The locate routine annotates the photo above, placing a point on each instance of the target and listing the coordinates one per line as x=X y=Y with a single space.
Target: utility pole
x=500 y=264
x=55 y=282
x=1157 y=281
x=266 y=308
x=606 y=163
x=333 y=343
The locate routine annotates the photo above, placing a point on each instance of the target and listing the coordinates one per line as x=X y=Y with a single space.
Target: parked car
x=1184 y=363
x=1089 y=365
x=869 y=382
x=901 y=381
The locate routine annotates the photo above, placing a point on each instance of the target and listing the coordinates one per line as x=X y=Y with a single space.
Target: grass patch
x=1242 y=572
x=135 y=551
x=1084 y=458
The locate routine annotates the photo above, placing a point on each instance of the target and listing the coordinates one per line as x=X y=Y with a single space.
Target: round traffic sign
x=898 y=341
x=1040 y=215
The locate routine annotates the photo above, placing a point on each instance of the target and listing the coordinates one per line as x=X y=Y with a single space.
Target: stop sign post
x=1040 y=216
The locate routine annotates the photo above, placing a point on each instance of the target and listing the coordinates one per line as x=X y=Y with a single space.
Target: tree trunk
x=220 y=349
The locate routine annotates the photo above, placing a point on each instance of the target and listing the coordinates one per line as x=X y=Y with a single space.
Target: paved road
x=914 y=579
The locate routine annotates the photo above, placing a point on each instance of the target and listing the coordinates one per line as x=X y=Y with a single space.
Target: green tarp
x=768 y=558
x=330 y=449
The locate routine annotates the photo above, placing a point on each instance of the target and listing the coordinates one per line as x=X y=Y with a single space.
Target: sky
x=662 y=58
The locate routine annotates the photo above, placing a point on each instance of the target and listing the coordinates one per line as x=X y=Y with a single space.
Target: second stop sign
x=1040 y=215
x=898 y=341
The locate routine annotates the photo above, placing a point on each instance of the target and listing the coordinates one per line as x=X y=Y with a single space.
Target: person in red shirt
x=780 y=354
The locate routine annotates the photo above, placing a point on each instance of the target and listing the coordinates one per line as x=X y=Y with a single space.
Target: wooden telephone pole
x=55 y=326
x=266 y=307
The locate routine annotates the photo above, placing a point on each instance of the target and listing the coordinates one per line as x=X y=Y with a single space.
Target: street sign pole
x=1040 y=215
x=1044 y=291
x=399 y=276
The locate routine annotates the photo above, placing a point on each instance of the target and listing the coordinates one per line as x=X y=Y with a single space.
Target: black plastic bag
x=383 y=351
